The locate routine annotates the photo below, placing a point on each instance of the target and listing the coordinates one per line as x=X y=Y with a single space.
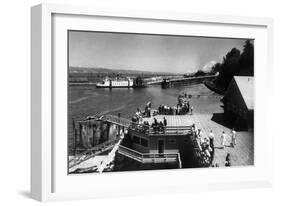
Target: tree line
x=235 y=63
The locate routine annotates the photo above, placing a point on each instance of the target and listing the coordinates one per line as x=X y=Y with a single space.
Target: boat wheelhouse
x=174 y=141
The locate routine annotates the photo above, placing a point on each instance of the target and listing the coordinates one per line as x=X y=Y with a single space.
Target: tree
x=200 y=73
x=216 y=68
x=235 y=63
x=246 y=61
x=229 y=67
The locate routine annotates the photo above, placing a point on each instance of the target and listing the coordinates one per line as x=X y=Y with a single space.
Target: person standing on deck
x=161 y=127
x=191 y=110
x=233 y=137
x=165 y=124
x=155 y=121
x=188 y=106
x=165 y=121
x=223 y=139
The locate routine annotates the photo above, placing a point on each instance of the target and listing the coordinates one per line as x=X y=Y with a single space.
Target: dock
x=168 y=83
x=241 y=155
x=207 y=115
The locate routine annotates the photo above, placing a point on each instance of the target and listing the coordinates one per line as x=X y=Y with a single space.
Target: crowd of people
x=183 y=107
x=208 y=147
x=184 y=104
x=159 y=127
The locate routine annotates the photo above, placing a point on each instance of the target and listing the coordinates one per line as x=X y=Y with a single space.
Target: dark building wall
x=251 y=119
x=235 y=108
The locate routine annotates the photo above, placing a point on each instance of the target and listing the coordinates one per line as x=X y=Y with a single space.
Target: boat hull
x=115 y=84
x=107 y=86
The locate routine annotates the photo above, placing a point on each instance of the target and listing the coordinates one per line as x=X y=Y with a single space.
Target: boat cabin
x=170 y=139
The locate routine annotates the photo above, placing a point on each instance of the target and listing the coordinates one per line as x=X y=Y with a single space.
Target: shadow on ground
x=220 y=119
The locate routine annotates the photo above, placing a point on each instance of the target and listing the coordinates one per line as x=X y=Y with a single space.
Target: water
x=88 y=100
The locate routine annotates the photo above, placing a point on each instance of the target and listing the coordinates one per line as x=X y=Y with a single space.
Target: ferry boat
x=108 y=83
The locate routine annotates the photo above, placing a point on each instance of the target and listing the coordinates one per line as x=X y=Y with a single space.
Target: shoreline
x=213 y=87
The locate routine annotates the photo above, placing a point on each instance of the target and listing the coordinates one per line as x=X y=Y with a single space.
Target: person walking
x=211 y=138
x=227 y=160
x=211 y=145
x=233 y=137
x=212 y=153
x=223 y=139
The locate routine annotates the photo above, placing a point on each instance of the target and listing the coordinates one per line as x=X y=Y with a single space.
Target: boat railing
x=142 y=128
x=160 y=155
x=147 y=157
x=116 y=120
x=154 y=130
x=126 y=150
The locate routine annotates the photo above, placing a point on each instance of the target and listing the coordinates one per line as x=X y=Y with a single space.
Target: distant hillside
x=106 y=70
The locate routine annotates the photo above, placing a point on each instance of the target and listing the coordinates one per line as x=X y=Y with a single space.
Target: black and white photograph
x=153 y=101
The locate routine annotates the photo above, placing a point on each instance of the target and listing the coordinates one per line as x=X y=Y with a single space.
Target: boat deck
x=242 y=154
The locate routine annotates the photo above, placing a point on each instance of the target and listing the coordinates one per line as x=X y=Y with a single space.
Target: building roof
x=246 y=86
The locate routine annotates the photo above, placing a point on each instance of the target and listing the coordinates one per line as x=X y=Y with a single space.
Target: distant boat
x=108 y=83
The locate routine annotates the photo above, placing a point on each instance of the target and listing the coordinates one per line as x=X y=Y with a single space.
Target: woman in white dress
x=223 y=139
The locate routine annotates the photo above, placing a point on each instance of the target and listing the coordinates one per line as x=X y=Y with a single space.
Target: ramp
x=146 y=158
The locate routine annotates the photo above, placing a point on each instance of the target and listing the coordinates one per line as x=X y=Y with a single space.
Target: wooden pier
x=241 y=155
x=168 y=83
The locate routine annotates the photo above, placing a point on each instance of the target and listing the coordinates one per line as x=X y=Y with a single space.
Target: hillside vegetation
x=235 y=63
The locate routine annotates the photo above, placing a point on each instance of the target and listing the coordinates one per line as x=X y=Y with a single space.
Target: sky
x=157 y=53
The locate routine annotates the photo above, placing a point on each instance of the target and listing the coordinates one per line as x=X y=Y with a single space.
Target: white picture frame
x=49 y=179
